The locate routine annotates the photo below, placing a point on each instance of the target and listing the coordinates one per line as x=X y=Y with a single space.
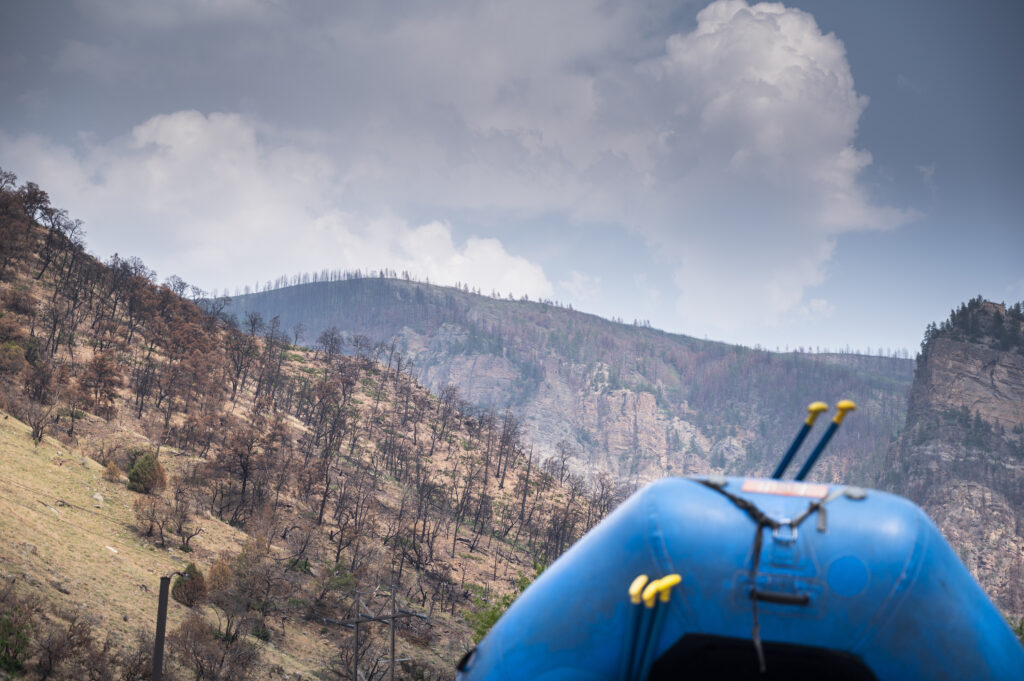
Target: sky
x=817 y=174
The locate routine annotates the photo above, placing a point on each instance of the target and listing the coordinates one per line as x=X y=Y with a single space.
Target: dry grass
x=51 y=533
x=53 y=539
x=61 y=546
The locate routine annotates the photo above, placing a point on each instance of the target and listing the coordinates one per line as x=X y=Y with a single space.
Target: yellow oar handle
x=813 y=409
x=651 y=593
x=665 y=585
x=660 y=588
x=843 y=407
x=636 y=589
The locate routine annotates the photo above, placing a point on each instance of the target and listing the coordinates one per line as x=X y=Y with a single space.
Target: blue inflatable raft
x=733 y=578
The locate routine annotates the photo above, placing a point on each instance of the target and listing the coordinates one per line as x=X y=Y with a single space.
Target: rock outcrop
x=628 y=400
x=961 y=454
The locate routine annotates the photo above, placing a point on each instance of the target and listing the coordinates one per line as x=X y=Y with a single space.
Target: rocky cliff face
x=961 y=454
x=632 y=401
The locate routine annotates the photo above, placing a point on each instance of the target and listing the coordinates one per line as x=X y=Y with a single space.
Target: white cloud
x=729 y=149
x=816 y=309
x=646 y=289
x=756 y=172
x=581 y=287
x=209 y=199
x=928 y=177
x=731 y=145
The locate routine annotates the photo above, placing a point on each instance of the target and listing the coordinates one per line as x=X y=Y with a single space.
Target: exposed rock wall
x=632 y=401
x=961 y=454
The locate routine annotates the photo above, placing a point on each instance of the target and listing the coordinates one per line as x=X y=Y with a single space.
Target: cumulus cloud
x=581 y=287
x=817 y=308
x=755 y=173
x=728 y=148
x=647 y=289
x=208 y=198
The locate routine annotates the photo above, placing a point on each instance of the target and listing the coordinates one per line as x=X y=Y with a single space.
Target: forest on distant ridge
x=712 y=406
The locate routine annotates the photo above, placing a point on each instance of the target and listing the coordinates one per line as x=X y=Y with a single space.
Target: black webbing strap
x=755 y=632
x=818 y=506
x=763 y=520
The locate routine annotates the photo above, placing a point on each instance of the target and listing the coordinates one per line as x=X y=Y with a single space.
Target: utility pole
x=355 y=648
x=161 y=625
x=391 y=625
x=161 y=628
x=360 y=618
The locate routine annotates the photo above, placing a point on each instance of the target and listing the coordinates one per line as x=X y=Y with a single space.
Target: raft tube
x=867 y=589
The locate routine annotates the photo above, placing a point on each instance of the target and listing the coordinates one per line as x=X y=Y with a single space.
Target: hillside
x=140 y=433
x=630 y=400
x=961 y=455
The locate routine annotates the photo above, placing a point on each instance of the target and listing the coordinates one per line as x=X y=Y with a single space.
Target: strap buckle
x=790 y=537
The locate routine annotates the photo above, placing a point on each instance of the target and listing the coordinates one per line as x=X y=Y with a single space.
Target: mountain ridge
x=663 y=403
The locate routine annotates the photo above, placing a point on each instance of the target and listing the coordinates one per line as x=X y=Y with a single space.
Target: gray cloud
x=95 y=61
x=170 y=15
x=727 y=145
x=208 y=198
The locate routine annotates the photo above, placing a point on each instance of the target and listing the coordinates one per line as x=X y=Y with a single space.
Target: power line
x=60 y=500
x=64 y=520
x=360 y=618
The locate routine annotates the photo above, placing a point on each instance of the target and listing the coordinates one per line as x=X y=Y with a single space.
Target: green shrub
x=190 y=588
x=486 y=612
x=14 y=640
x=147 y=475
x=336 y=579
x=17 y=615
x=12 y=358
x=300 y=565
x=133 y=454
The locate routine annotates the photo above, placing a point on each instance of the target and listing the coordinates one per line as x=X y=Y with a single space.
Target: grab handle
x=780 y=597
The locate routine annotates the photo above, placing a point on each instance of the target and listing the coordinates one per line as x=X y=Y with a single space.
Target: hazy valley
x=639 y=403
x=633 y=401
x=313 y=448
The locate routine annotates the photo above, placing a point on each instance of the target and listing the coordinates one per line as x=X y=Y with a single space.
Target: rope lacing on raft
x=762 y=521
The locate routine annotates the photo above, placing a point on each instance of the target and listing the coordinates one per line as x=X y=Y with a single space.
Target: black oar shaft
x=788 y=458
x=813 y=458
x=843 y=407
x=813 y=409
x=633 y=628
x=651 y=648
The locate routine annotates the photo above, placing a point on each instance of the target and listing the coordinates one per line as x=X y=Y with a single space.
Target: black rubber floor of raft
x=698 y=658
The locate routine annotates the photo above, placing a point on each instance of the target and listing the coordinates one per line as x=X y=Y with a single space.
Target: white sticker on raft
x=786 y=488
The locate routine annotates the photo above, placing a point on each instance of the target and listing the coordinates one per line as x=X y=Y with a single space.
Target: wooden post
x=355 y=653
x=391 y=622
x=161 y=628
